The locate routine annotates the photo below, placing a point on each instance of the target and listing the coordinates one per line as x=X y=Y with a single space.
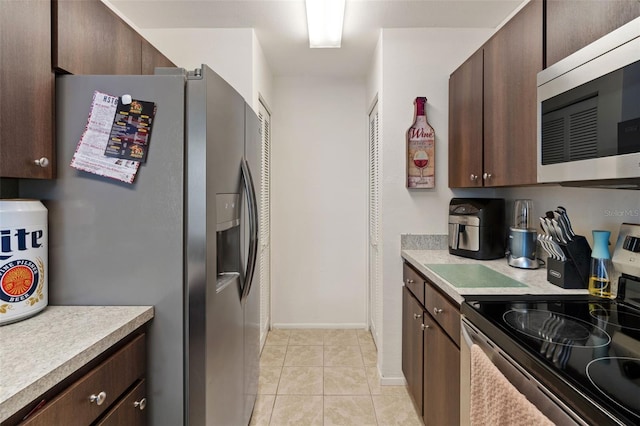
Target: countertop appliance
x=476 y=227
x=589 y=115
x=582 y=352
x=522 y=237
x=180 y=238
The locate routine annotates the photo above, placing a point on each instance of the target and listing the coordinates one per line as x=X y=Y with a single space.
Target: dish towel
x=494 y=400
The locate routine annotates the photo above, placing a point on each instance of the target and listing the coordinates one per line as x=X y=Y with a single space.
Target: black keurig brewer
x=477 y=228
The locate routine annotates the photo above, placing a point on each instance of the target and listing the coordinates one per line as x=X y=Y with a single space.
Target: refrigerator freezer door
x=112 y=243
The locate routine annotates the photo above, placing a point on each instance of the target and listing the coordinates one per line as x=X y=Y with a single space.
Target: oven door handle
x=465 y=334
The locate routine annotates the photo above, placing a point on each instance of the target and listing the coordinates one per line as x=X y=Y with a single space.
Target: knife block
x=573 y=272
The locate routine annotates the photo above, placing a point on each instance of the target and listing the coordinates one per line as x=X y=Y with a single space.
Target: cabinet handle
x=98 y=399
x=409 y=281
x=425 y=326
x=141 y=405
x=416 y=316
x=437 y=311
x=486 y=176
x=473 y=177
x=42 y=162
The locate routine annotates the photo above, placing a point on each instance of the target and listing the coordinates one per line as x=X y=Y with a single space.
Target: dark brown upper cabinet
x=152 y=58
x=88 y=38
x=27 y=87
x=573 y=24
x=492 y=107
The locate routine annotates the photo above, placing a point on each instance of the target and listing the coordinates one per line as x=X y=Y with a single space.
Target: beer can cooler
x=23 y=259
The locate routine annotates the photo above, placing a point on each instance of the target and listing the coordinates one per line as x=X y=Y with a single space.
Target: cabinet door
x=412 y=315
x=512 y=60
x=465 y=124
x=152 y=57
x=573 y=24
x=441 y=399
x=26 y=85
x=130 y=411
x=89 y=38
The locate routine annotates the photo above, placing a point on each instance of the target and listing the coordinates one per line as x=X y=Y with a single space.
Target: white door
x=375 y=243
x=264 y=253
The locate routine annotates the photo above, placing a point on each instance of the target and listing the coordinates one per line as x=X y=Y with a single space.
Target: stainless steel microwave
x=589 y=114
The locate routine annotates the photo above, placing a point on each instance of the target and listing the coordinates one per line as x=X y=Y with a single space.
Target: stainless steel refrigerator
x=182 y=238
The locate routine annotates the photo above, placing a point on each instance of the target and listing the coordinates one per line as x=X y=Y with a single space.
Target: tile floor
x=326 y=378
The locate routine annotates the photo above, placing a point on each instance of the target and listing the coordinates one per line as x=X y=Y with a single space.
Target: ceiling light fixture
x=324 y=22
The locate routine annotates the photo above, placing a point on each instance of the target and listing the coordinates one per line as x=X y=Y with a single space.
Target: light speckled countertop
x=535 y=279
x=39 y=352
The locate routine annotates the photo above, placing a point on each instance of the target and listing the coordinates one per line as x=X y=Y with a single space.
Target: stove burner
x=617 y=378
x=626 y=319
x=556 y=328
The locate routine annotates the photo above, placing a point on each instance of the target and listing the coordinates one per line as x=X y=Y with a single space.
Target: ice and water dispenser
x=228 y=237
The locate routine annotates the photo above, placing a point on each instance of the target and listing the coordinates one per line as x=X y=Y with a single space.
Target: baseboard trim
x=392 y=381
x=320 y=326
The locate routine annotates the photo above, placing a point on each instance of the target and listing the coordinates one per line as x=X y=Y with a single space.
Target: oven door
x=547 y=403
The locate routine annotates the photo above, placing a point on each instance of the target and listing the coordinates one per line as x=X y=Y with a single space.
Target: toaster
x=477 y=228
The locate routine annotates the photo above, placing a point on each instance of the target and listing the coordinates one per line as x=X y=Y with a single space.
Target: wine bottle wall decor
x=420 y=149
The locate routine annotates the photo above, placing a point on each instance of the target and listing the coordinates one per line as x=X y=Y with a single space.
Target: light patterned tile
x=349 y=411
x=278 y=337
x=304 y=356
x=342 y=356
x=273 y=356
x=306 y=337
x=262 y=410
x=373 y=377
x=300 y=381
x=395 y=410
x=369 y=355
x=364 y=336
x=297 y=410
x=345 y=381
x=268 y=380
x=340 y=337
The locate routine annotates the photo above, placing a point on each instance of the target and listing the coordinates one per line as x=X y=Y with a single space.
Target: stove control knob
x=632 y=244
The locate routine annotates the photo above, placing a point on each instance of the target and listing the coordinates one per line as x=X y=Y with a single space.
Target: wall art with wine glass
x=420 y=149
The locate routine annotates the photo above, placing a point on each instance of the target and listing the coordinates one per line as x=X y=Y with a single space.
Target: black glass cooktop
x=586 y=350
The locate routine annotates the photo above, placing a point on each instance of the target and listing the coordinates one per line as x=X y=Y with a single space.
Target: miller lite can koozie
x=23 y=259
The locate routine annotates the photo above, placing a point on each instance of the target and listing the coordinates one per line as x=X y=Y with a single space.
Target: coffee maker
x=476 y=228
x=523 y=237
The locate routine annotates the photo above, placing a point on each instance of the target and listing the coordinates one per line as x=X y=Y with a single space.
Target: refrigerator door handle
x=253 y=228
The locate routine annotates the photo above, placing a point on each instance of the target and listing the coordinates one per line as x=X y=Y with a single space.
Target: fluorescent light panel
x=324 y=22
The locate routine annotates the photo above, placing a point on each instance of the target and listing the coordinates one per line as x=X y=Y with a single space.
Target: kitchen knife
x=559 y=231
x=566 y=218
x=563 y=225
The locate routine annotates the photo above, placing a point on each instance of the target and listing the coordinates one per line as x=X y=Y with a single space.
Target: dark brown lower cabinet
x=412 y=337
x=431 y=353
x=111 y=393
x=441 y=398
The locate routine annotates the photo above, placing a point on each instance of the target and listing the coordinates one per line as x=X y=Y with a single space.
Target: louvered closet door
x=375 y=244
x=265 y=234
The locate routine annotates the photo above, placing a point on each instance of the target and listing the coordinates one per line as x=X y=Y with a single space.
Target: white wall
x=415 y=62
x=319 y=203
x=228 y=51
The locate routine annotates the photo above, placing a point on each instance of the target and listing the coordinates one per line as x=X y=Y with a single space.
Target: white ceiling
x=280 y=25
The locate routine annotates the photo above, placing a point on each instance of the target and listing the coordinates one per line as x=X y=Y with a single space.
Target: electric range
x=583 y=349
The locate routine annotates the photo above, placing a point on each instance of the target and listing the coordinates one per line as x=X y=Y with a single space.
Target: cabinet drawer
x=446 y=313
x=414 y=282
x=113 y=377
x=130 y=411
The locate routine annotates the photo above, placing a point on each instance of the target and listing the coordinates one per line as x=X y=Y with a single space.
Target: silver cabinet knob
x=42 y=162
x=416 y=316
x=437 y=311
x=98 y=399
x=141 y=405
x=473 y=177
x=486 y=176
x=409 y=281
x=425 y=326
